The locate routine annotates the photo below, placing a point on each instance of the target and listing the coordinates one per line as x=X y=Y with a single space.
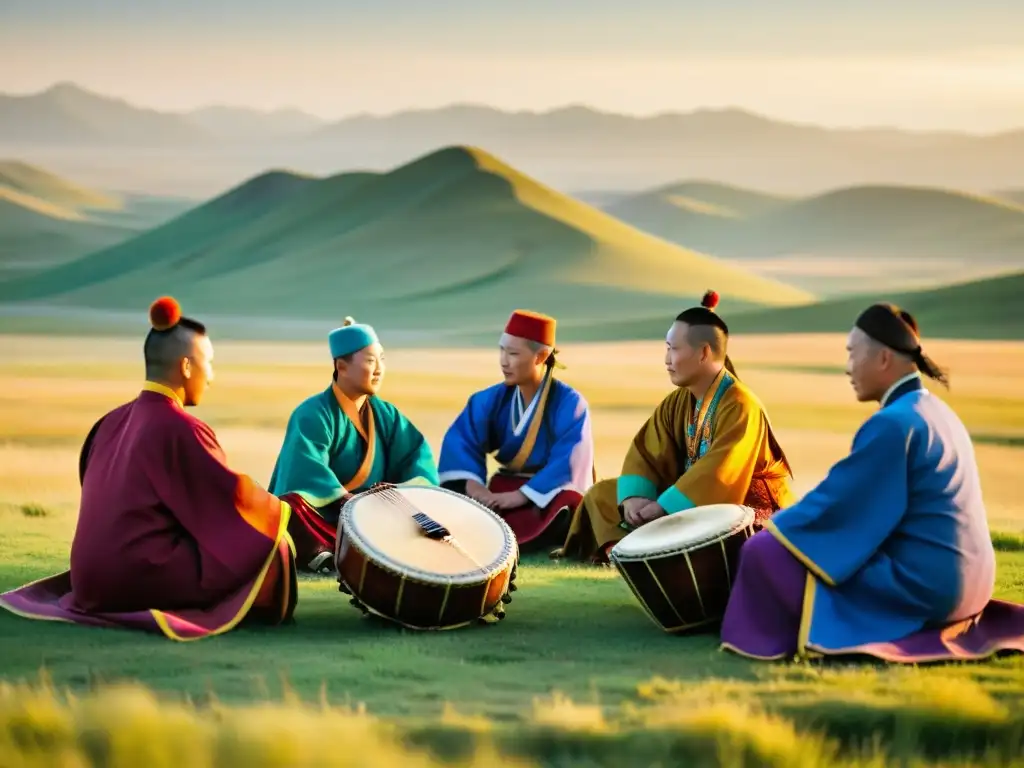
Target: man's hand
x=510 y=500
x=480 y=493
x=651 y=512
x=638 y=511
x=630 y=508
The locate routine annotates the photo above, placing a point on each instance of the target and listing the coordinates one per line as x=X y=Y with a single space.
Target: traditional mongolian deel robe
x=544 y=449
x=169 y=539
x=719 y=449
x=331 y=450
x=889 y=556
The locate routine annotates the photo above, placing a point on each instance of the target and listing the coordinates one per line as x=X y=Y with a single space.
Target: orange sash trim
x=258 y=508
x=519 y=460
x=369 y=434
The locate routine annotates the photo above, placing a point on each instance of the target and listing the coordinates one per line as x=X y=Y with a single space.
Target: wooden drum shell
x=689 y=589
x=416 y=603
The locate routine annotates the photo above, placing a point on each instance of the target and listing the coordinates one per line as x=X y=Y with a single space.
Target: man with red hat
x=538 y=429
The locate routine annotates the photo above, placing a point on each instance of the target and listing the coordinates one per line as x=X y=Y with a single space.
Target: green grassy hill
x=976 y=309
x=35 y=235
x=46 y=220
x=847 y=240
x=693 y=213
x=979 y=309
x=40 y=184
x=450 y=242
x=1012 y=195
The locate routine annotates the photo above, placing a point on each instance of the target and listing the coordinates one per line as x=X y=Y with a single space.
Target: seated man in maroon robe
x=169 y=539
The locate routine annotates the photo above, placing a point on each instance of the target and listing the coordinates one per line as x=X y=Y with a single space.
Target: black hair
x=162 y=349
x=347 y=358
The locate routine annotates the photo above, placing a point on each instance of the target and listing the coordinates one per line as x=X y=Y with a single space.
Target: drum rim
x=749 y=517
x=466 y=578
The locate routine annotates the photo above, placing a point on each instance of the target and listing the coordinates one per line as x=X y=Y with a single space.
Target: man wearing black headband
x=891 y=554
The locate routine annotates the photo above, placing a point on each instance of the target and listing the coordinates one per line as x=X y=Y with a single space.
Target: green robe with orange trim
x=169 y=538
x=719 y=449
x=332 y=449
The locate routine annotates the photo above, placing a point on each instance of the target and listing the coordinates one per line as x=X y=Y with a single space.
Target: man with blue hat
x=340 y=442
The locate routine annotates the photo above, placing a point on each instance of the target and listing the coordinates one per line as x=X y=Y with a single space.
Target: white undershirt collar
x=896 y=385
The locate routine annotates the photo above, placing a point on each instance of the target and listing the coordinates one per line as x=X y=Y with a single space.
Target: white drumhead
x=683 y=530
x=382 y=523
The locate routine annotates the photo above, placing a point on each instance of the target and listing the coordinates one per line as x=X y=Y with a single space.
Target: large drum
x=681 y=567
x=425 y=557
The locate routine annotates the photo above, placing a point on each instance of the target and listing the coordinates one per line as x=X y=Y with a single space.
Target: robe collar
x=909 y=383
x=161 y=389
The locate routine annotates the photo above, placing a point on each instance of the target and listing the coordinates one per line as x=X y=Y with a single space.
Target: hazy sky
x=913 y=63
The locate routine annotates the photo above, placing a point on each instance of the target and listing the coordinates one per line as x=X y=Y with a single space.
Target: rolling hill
x=35 y=235
x=46 y=220
x=450 y=242
x=843 y=241
x=693 y=212
x=975 y=309
x=40 y=184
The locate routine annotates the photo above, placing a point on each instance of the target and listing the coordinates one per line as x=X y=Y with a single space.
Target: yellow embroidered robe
x=719 y=449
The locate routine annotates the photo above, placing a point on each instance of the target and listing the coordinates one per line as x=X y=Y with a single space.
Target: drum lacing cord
x=431 y=528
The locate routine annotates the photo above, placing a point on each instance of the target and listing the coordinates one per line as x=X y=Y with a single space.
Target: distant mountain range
x=572 y=148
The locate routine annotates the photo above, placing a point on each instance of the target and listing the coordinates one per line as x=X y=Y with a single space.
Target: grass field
x=576 y=674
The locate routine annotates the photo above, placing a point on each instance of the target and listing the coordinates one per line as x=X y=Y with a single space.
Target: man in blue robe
x=539 y=429
x=341 y=441
x=890 y=555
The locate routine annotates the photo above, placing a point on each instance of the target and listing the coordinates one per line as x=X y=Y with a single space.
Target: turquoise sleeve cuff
x=635 y=485
x=673 y=501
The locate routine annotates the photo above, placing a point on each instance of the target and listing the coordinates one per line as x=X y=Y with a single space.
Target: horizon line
x=566 y=107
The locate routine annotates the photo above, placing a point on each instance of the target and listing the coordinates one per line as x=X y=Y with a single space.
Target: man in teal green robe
x=340 y=442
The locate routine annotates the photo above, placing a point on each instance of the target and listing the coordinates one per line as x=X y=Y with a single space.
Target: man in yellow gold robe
x=708 y=442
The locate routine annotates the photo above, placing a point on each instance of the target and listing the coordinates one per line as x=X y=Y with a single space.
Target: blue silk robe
x=896 y=538
x=325 y=452
x=555 y=430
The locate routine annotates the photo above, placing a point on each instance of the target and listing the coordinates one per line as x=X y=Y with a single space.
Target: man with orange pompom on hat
x=169 y=539
x=708 y=442
x=538 y=429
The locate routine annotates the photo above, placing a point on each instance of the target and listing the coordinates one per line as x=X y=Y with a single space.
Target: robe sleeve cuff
x=635 y=485
x=459 y=474
x=541 y=500
x=317 y=501
x=672 y=501
x=418 y=480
